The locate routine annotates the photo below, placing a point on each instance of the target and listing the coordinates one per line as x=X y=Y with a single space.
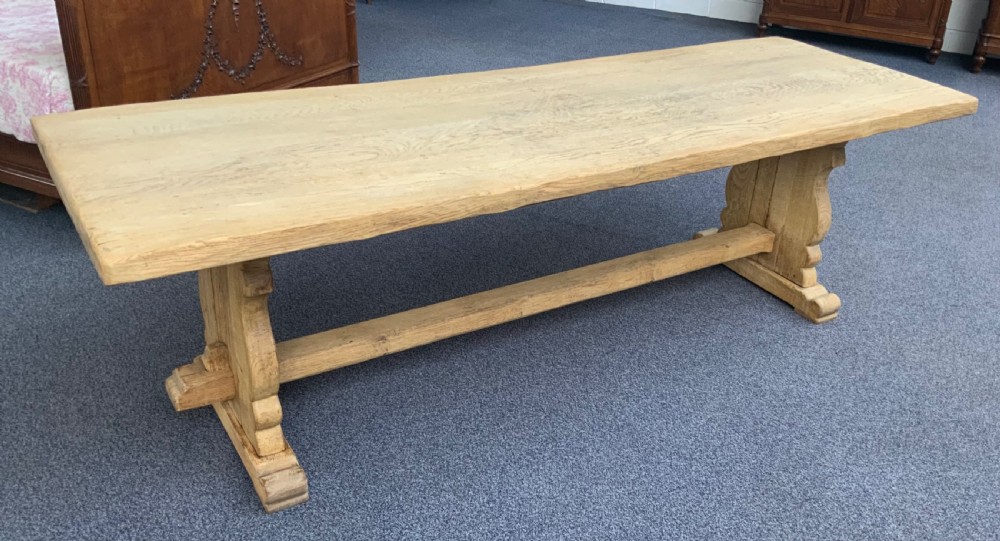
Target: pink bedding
x=33 y=76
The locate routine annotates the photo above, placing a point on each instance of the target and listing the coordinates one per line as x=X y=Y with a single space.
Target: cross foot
x=788 y=195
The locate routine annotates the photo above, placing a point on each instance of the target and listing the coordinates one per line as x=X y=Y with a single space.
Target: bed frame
x=124 y=51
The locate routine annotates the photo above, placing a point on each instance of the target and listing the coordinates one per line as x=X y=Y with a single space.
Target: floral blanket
x=33 y=76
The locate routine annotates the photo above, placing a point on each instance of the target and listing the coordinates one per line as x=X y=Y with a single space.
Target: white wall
x=963 y=23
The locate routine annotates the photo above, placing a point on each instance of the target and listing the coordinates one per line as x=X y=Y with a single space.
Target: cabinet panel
x=914 y=22
x=834 y=10
x=913 y=15
x=142 y=52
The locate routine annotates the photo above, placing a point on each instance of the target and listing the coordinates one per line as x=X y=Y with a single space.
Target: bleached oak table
x=219 y=185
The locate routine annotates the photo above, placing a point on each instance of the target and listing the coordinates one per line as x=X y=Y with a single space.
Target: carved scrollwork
x=211 y=55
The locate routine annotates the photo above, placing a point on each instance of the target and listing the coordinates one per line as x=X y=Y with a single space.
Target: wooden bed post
x=238 y=339
x=788 y=195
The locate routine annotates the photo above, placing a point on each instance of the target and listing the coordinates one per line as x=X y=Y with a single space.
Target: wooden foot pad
x=814 y=303
x=278 y=479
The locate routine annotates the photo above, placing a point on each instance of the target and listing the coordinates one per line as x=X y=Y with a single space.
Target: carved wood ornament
x=211 y=54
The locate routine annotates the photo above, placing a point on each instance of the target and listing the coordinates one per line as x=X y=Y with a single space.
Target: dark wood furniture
x=913 y=22
x=123 y=51
x=989 y=37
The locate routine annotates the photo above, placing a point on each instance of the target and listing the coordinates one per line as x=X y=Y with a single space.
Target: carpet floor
x=696 y=408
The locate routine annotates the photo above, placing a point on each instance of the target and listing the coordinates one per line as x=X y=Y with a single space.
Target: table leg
x=787 y=195
x=238 y=339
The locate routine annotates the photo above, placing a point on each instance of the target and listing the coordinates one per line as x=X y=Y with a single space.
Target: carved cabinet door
x=141 y=51
x=913 y=15
x=834 y=10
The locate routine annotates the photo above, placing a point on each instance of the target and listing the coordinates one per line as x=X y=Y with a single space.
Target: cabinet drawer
x=908 y=15
x=832 y=10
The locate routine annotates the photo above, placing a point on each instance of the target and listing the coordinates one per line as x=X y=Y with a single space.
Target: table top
x=163 y=188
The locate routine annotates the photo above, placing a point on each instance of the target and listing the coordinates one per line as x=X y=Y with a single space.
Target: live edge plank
x=306 y=168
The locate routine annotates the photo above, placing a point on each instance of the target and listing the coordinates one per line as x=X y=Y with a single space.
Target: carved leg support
x=787 y=195
x=977 y=63
x=239 y=341
x=979 y=55
x=935 y=49
x=934 y=53
x=762 y=22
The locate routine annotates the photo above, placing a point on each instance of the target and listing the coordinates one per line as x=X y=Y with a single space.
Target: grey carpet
x=696 y=408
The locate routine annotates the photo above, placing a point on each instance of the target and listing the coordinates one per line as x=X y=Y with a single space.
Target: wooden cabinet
x=124 y=51
x=989 y=37
x=913 y=22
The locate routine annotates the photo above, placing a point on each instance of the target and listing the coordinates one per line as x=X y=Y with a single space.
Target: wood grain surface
x=163 y=188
